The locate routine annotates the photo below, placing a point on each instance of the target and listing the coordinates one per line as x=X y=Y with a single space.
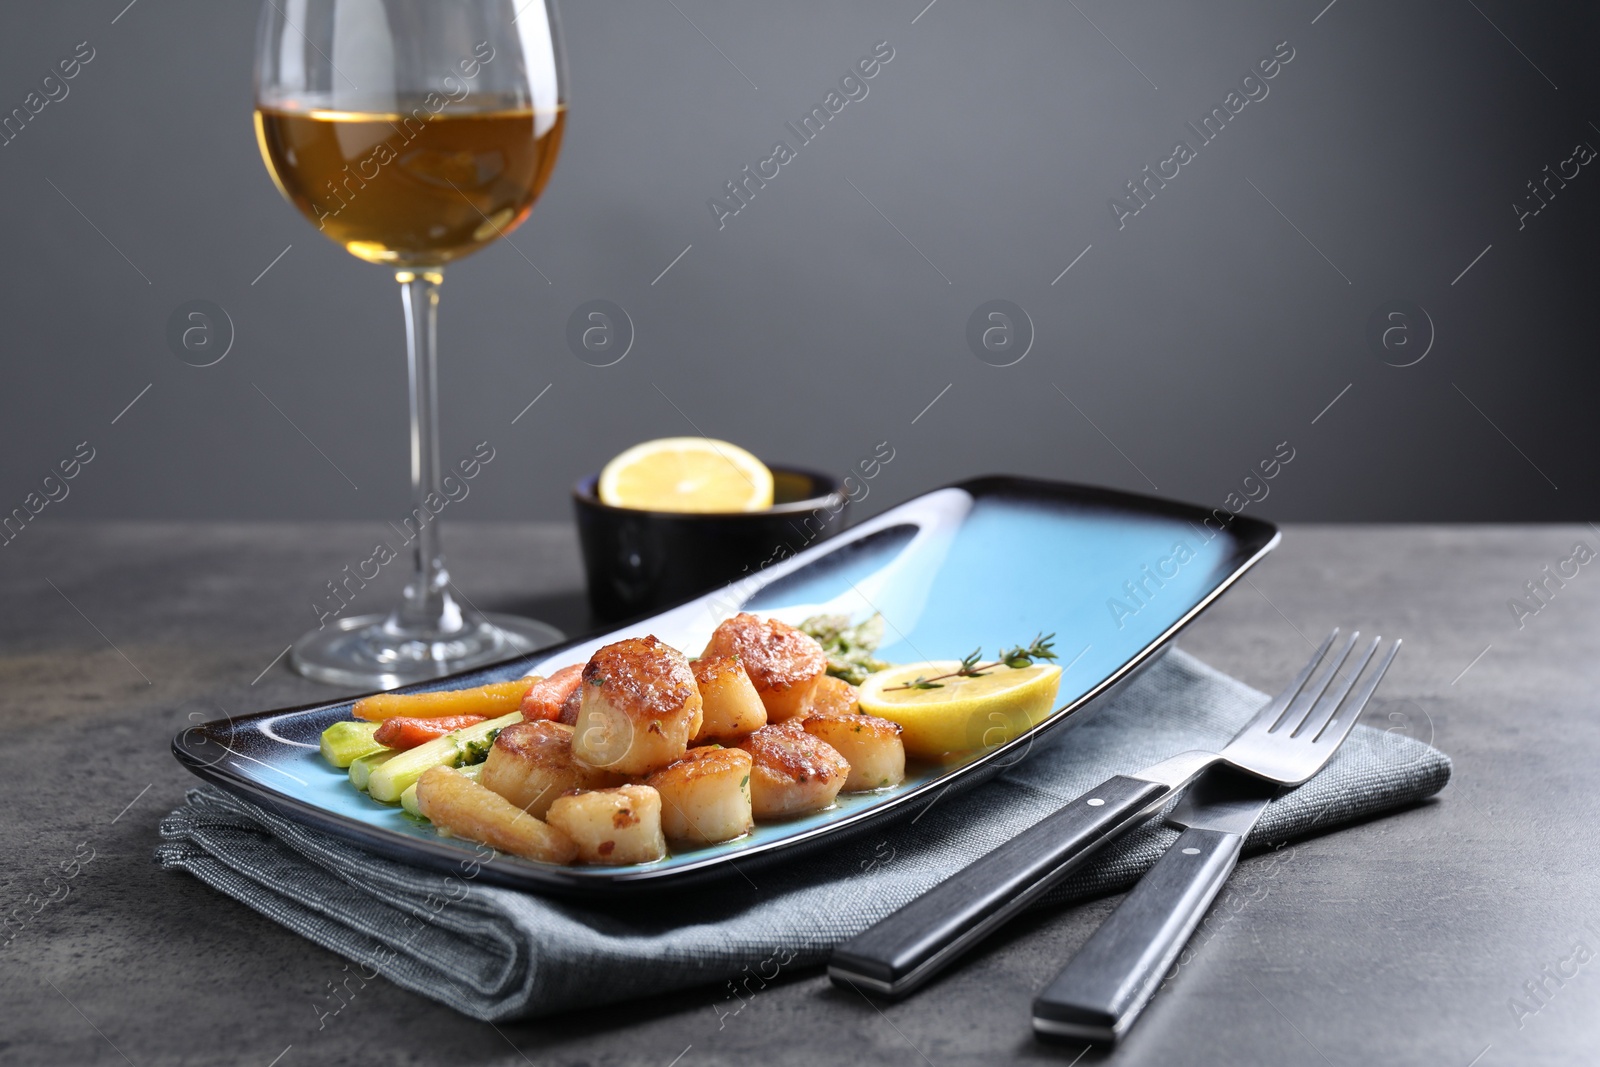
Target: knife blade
x=1106 y=985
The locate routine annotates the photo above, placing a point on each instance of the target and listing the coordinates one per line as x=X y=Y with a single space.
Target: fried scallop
x=570 y=706
x=834 y=696
x=456 y=803
x=615 y=827
x=784 y=664
x=544 y=700
x=869 y=744
x=795 y=727
x=639 y=707
x=532 y=763
x=792 y=772
x=729 y=701
x=705 y=797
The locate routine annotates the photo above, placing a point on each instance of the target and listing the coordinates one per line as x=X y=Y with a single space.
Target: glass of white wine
x=412 y=132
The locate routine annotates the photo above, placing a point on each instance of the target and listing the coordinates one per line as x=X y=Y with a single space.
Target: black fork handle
x=1100 y=993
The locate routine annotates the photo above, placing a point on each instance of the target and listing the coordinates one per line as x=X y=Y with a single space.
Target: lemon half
x=963 y=713
x=686 y=474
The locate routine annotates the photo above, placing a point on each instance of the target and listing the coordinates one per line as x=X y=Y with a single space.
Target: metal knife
x=1102 y=990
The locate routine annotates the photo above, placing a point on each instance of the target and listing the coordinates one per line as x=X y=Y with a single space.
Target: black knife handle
x=915 y=943
x=1102 y=990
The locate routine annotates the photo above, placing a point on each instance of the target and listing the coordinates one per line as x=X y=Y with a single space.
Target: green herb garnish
x=474 y=752
x=848 y=648
x=1043 y=647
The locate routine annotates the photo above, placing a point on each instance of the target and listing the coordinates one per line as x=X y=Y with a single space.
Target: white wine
x=411 y=189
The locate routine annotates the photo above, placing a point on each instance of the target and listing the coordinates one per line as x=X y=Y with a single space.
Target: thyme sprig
x=1043 y=647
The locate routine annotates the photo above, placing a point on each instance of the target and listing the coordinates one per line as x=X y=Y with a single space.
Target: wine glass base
x=362 y=651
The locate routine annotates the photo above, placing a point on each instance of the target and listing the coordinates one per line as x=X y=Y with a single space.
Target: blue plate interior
x=987 y=563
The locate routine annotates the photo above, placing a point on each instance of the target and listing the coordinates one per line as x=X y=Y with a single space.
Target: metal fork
x=1102 y=990
x=1287 y=742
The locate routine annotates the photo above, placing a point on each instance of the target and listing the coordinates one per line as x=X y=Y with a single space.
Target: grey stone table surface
x=1458 y=932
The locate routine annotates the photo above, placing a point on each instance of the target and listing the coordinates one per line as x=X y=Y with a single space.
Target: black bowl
x=640 y=562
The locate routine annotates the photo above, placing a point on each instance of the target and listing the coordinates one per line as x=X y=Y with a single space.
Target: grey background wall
x=1179 y=350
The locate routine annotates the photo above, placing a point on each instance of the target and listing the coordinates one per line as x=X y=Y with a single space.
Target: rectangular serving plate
x=988 y=562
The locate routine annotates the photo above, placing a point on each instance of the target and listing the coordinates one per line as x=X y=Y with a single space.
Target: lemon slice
x=963 y=713
x=695 y=474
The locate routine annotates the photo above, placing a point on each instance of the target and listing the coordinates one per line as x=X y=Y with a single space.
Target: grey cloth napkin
x=498 y=954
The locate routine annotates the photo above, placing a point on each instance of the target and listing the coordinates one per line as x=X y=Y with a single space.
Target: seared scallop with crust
x=871 y=745
x=570 y=706
x=705 y=797
x=612 y=826
x=638 y=709
x=729 y=701
x=792 y=772
x=784 y=664
x=532 y=763
x=834 y=696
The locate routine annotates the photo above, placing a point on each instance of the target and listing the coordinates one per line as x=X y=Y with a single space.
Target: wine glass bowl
x=412 y=133
x=465 y=179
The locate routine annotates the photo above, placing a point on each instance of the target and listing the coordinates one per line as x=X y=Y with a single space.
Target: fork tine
x=1273 y=709
x=1297 y=711
x=1335 y=731
x=1330 y=701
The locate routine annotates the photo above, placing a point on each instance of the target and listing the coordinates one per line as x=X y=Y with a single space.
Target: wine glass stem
x=426 y=606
